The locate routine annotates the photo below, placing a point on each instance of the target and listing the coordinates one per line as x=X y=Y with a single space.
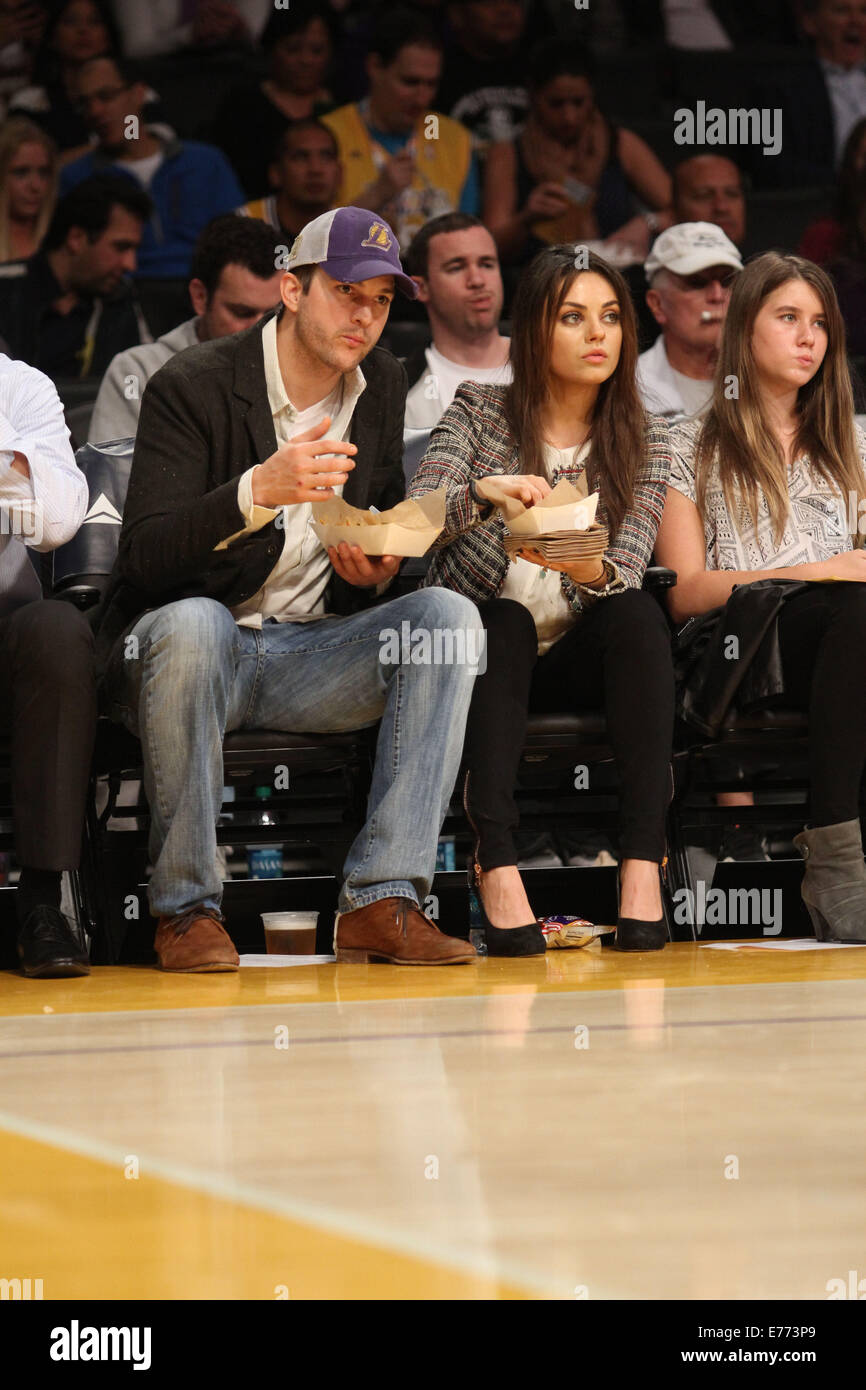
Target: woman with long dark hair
x=570 y=635
x=771 y=485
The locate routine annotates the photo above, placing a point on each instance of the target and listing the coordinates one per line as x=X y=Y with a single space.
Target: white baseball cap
x=689 y=247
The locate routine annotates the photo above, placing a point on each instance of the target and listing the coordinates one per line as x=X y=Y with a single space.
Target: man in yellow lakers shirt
x=399 y=157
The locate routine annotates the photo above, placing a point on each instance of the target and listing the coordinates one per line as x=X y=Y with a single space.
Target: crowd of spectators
x=547 y=122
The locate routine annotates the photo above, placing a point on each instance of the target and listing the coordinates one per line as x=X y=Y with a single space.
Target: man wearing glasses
x=190 y=183
x=690 y=270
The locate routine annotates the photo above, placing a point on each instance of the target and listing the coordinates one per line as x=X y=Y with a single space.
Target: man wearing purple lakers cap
x=224 y=612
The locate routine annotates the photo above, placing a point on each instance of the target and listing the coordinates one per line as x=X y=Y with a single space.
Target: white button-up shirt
x=295 y=588
x=45 y=510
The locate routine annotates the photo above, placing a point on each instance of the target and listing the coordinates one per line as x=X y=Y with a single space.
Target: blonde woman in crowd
x=28 y=187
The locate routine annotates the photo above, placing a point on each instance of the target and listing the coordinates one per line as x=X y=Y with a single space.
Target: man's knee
x=194 y=632
x=443 y=608
x=53 y=638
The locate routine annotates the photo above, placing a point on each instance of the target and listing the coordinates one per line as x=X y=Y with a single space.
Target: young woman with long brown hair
x=582 y=636
x=770 y=485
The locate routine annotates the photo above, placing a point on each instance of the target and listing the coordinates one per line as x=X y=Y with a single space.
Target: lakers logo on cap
x=378 y=236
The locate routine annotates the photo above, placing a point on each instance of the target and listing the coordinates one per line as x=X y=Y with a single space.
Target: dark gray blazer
x=205 y=419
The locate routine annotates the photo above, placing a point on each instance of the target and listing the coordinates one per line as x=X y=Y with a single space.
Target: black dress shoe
x=49 y=948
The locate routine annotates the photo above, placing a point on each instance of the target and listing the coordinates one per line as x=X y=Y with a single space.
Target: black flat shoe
x=632 y=934
x=48 y=948
x=503 y=941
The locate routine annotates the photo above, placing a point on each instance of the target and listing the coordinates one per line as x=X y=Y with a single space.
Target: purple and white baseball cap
x=351 y=244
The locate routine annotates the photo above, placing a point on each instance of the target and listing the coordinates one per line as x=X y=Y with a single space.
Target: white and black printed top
x=819 y=521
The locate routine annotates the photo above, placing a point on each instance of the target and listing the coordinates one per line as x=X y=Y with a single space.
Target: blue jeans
x=192 y=674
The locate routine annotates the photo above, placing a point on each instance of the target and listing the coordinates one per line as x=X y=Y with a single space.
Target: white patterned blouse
x=819 y=521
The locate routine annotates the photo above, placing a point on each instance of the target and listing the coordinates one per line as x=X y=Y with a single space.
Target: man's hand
x=364 y=571
x=528 y=488
x=20 y=465
x=396 y=174
x=299 y=470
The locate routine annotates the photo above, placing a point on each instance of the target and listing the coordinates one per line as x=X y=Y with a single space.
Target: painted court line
x=424 y=1036
x=312 y=1214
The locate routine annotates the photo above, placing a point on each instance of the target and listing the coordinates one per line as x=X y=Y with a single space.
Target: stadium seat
x=777 y=218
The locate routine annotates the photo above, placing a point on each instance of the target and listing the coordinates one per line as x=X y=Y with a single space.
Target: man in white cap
x=690 y=270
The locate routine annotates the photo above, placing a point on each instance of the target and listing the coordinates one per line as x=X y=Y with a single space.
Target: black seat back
x=82 y=565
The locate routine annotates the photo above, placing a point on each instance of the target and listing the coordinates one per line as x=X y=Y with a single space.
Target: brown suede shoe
x=194 y=942
x=396 y=931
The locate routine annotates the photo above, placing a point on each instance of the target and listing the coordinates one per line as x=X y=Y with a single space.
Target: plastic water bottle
x=265 y=861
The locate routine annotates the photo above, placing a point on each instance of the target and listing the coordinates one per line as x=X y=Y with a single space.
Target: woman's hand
x=581 y=571
x=850 y=564
x=526 y=487
x=546 y=200
x=635 y=234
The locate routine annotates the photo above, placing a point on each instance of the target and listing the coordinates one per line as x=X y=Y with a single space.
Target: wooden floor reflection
x=687 y=1125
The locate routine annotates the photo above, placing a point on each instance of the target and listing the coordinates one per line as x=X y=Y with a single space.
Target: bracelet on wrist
x=483 y=503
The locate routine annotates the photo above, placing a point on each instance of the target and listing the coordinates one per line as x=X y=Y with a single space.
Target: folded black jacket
x=732 y=657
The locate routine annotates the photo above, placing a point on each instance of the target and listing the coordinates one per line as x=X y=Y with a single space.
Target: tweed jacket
x=473 y=441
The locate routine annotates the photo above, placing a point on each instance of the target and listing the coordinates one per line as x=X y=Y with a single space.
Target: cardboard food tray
x=563 y=509
x=409 y=529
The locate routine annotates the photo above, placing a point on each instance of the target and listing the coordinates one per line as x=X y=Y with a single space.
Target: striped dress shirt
x=45 y=510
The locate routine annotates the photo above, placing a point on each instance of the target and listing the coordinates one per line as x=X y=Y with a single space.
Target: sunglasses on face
x=702 y=279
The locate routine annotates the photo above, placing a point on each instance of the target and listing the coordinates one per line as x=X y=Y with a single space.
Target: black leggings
x=822 y=634
x=617 y=657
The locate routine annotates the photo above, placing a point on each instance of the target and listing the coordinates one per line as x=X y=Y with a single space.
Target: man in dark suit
x=822 y=98
x=224 y=611
x=47 y=686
